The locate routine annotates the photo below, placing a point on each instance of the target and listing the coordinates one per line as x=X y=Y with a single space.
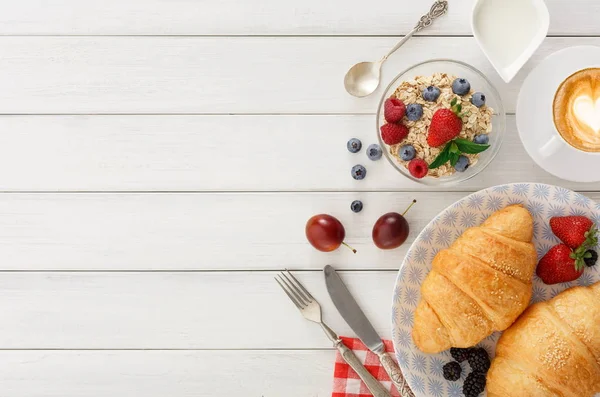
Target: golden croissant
x=478 y=285
x=553 y=349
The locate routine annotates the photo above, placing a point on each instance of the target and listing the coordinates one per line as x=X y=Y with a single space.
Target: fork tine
x=310 y=297
x=288 y=294
x=294 y=290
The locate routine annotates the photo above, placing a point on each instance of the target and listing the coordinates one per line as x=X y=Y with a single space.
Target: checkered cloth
x=346 y=382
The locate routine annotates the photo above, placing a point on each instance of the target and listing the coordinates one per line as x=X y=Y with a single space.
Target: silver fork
x=311 y=310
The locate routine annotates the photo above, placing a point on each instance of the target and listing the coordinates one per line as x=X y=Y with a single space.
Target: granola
x=475 y=120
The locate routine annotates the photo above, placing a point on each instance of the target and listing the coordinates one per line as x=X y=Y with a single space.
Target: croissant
x=480 y=284
x=553 y=349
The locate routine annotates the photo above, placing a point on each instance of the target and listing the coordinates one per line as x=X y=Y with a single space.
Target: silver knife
x=356 y=319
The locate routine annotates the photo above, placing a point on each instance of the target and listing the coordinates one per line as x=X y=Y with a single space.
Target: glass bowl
x=478 y=83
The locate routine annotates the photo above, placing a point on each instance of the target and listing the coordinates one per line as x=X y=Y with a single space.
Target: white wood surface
x=224 y=75
x=166 y=373
x=266 y=17
x=253 y=153
x=191 y=231
x=158 y=162
x=176 y=310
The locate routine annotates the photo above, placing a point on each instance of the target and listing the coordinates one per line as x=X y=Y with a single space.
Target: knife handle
x=395 y=374
x=376 y=388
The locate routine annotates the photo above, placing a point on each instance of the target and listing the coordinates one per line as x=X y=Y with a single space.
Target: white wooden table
x=158 y=162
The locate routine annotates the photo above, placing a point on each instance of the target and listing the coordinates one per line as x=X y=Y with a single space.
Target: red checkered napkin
x=346 y=382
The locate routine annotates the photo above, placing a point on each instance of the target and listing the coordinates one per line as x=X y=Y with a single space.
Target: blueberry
x=359 y=172
x=461 y=87
x=414 y=111
x=356 y=206
x=354 y=145
x=431 y=93
x=462 y=164
x=374 y=152
x=407 y=152
x=481 y=139
x=478 y=99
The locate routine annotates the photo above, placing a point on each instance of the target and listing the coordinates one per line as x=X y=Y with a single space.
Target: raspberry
x=474 y=384
x=418 y=168
x=479 y=360
x=393 y=110
x=393 y=133
x=459 y=354
x=452 y=371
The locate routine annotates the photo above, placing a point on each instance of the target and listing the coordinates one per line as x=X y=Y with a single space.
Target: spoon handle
x=438 y=9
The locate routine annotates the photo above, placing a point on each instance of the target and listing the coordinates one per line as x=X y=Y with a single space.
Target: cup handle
x=550 y=147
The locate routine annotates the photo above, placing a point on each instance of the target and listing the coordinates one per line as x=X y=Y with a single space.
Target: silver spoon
x=363 y=78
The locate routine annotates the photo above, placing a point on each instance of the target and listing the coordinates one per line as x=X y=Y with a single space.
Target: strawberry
x=571 y=230
x=393 y=110
x=560 y=265
x=393 y=133
x=445 y=125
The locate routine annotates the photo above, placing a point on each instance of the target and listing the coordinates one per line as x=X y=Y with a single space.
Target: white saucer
x=535 y=122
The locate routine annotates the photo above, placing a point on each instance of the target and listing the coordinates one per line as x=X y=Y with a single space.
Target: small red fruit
x=445 y=126
x=393 y=133
x=559 y=265
x=571 y=230
x=391 y=230
x=393 y=110
x=418 y=168
x=326 y=233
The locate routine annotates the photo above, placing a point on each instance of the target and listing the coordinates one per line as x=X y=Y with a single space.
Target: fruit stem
x=350 y=248
x=411 y=204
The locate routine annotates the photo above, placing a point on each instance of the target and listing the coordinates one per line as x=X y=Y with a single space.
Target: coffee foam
x=576 y=110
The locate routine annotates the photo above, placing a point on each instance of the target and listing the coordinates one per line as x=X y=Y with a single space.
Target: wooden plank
x=229 y=310
x=253 y=153
x=166 y=373
x=272 y=17
x=198 y=231
x=200 y=75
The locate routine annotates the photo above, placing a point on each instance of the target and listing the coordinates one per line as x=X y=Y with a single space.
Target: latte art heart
x=587 y=111
x=576 y=110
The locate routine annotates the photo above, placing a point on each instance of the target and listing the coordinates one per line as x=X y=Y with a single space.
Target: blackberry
x=452 y=371
x=479 y=360
x=459 y=354
x=474 y=384
x=590 y=257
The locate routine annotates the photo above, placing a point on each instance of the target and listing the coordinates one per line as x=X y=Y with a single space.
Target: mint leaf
x=454 y=148
x=442 y=158
x=453 y=102
x=454 y=158
x=469 y=147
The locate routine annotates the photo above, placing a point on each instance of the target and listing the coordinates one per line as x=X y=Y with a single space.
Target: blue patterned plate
x=424 y=371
